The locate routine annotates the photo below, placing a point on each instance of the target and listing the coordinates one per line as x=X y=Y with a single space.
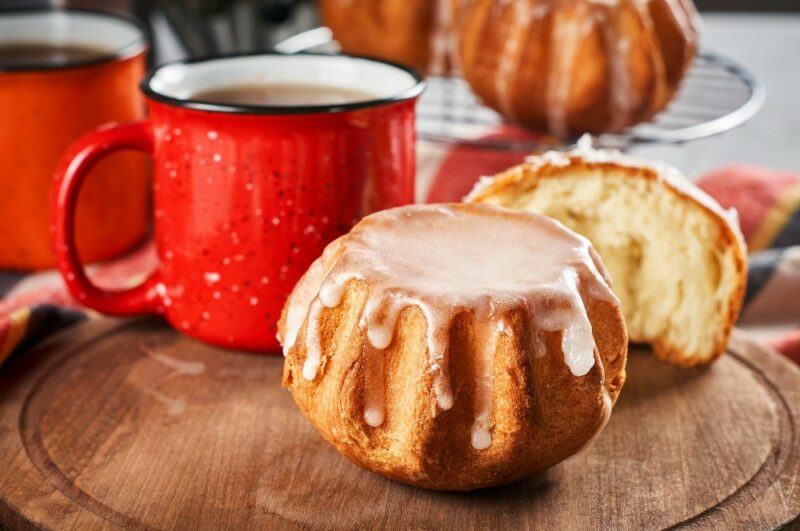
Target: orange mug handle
x=72 y=171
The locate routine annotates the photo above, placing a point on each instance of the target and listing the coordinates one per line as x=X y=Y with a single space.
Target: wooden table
x=129 y=424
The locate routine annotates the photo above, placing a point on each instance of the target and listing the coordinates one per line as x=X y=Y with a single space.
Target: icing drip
x=443 y=38
x=375 y=384
x=487 y=335
x=617 y=48
x=512 y=55
x=565 y=37
x=305 y=291
x=313 y=346
x=685 y=16
x=447 y=260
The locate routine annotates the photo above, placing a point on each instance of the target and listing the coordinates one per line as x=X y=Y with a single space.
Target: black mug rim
x=225 y=108
x=136 y=47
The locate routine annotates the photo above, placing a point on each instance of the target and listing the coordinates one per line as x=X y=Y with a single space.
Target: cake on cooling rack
x=455 y=346
x=574 y=66
x=677 y=259
x=560 y=66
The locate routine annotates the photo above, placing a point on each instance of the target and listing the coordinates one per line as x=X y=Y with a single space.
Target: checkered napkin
x=36 y=305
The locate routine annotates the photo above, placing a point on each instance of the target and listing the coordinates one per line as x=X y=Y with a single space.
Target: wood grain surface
x=129 y=424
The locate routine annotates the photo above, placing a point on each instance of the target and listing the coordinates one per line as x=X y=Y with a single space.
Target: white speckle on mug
x=167 y=165
x=212 y=135
x=70 y=276
x=202 y=162
x=187 y=156
x=217 y=295
x=156 y=187
x=289 y=202
x=259 y=212
x=185 y=325
x=239 y=258
x=216 y=157
x=325 y=219
x=276 y=221
x=177 y=131
x=226 y=261
x=284 y=269
x=159 y=213
x=169 y=255
x=206 y=316
x=173 y=174
x=235 y=288
x=198 y=147
x=264 y=280
x=212 y=277
x=167 y=302
x=248 y=186
x=210 y=180
x=167 y=137
x=232 y=168
x=161 y=289
x=253 y=301
x=310 y=229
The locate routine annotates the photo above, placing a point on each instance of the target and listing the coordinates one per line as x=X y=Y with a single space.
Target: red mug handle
x=71 y=174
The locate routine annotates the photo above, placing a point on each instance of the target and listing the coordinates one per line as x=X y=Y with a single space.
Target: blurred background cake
x=561 y=66
x=577 y=66
x=419 y=33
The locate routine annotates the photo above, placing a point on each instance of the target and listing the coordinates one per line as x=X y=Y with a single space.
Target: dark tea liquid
x=282 y=95
x=33 y=54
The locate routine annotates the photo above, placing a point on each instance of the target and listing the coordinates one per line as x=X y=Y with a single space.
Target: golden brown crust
x=542 y=412
x=400 y=31
x=523 y=179
x=614 y=65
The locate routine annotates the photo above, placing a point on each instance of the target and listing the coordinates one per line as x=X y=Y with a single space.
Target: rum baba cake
x=455 y=346
x=574 y=66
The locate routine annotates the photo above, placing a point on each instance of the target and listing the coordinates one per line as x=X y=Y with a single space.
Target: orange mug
x=63 y=73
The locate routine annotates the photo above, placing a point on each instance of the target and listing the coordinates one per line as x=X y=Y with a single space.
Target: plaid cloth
x=36 y=305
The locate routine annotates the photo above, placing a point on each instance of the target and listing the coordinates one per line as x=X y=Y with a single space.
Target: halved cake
x=677 y=259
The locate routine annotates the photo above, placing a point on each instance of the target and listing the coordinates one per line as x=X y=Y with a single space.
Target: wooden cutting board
x=129 y=424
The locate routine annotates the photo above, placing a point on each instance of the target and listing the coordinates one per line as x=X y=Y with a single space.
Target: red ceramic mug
x=246 y=197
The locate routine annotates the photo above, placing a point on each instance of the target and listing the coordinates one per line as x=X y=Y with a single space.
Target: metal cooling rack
x=717 y=96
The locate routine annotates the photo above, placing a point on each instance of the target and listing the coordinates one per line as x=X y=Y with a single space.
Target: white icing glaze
x=443 y=38
x=487 y=332
x=564 y=39
x=619 y=79
x=511 y=55
x=304 y=293
x=447 y=260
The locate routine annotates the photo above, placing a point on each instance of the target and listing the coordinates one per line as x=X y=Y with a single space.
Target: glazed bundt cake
x=677 y=259
x=418 y=33
x=573 y=66
x=455 y=346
